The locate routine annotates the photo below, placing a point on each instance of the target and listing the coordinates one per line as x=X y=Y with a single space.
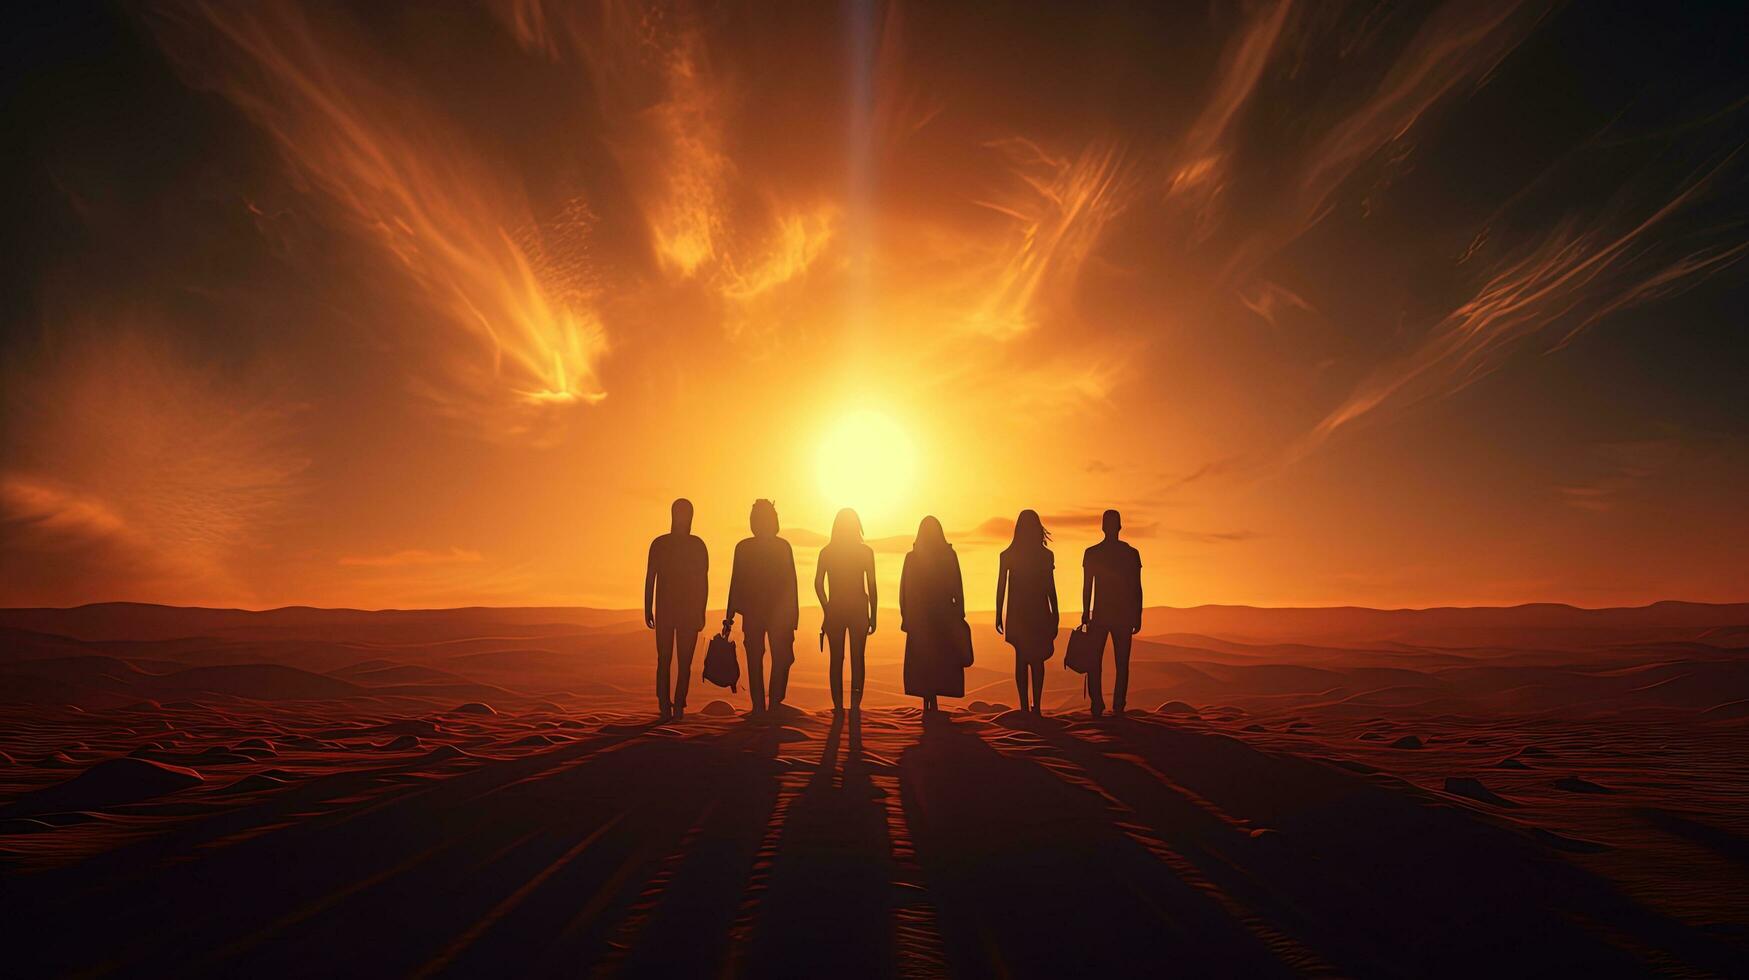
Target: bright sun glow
x=867 y=462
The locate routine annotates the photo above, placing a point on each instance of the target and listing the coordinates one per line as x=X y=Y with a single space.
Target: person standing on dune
x=1111 y=605
x=676 y=582
x=1026 y=578
x=932 y=614
x=762 y=589
x=844 y=582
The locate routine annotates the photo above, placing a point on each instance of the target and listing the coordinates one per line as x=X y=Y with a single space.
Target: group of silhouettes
x=932 y=608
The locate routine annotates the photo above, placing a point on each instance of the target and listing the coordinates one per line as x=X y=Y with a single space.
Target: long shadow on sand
x=829 y=907
x=1046 y=849
x=519 y=867
x=1030 y=877
x=1374 y=878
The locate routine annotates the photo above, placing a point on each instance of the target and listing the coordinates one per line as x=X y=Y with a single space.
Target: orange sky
x=444 y=306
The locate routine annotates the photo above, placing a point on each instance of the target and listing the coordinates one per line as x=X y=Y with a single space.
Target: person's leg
x=1120 y=656
x=1095 y=677
x=858 y=664
x=754 y=638
x=835 y=665
x=664 y=652
x=1038 y=686
x=685 y=644
x=1020 y=675
x=783 y=653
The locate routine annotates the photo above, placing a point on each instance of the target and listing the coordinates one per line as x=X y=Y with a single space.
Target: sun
x=866 y=461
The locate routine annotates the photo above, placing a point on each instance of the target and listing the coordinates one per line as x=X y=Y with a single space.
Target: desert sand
x=487 y=791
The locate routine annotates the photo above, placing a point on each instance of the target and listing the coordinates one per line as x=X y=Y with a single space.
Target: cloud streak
x=1568 y=282
x=502 y=343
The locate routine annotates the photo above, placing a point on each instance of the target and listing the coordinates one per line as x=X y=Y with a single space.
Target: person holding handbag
x=1027 y=578
x=932 y=614
x=762 y=589
x=1111 y=605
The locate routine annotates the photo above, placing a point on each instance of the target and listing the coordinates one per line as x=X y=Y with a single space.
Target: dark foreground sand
x=486 y=792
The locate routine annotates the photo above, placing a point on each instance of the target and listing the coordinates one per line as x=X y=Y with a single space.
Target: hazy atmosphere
x=441 y=304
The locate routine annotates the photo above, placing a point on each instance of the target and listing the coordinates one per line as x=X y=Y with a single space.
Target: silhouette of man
x=1111 y=605
x=762 y=589
x=676 y=582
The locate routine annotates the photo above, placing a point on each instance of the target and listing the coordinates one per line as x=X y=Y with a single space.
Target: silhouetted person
x=844 y=580
x=762 y=589
x=1111 y=603
x=676 y=582
x=1026 y=575
x=932 y=612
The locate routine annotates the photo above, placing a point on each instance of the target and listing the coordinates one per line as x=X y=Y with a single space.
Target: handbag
x=721 y=667
x=962 y=638
x=1084 y=650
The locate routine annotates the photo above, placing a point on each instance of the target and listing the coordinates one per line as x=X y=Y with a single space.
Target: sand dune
x=487 y=791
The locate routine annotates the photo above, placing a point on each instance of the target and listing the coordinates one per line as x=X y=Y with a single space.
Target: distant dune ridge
x=1341 y=791
x=144 y=621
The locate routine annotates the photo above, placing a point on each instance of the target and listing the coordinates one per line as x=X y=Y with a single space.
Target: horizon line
x=635 y=611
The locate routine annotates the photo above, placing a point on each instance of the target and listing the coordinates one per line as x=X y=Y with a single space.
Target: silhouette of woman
x=844 y=580
x=932 y=604
x=1026 y=575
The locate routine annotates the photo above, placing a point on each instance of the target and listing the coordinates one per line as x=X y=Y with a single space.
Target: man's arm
x=1086 y=589
x=650 y=588
x=732 y=604
x=1137 y=628
x=794 y=592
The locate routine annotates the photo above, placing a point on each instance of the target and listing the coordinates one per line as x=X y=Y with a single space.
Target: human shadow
x=1369 y=874
x=1031 y=876
x=829 y=906
x=517 y=867
x=690 y=925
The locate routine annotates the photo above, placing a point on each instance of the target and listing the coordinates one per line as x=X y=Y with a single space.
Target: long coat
x=932 y=611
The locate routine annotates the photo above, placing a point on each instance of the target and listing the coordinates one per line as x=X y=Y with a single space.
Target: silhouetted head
x=1029 y=531
x=763 y=520
x=930 y=536
x=1112 y=523
x=681 y=512
x=847 y=527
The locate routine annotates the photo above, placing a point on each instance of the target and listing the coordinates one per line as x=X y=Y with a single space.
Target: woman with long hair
x=932 y=612
x=844 y=579
x=1026 y=576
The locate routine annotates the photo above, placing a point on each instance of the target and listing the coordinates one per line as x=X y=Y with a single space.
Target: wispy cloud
x=498 y=342
x=1060 y=208
x=1618 y=468
x=1197 y=175
x=415 y=557
x=1576 y=276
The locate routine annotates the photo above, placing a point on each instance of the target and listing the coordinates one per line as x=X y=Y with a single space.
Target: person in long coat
x=1026 y=577
x=932 y=612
